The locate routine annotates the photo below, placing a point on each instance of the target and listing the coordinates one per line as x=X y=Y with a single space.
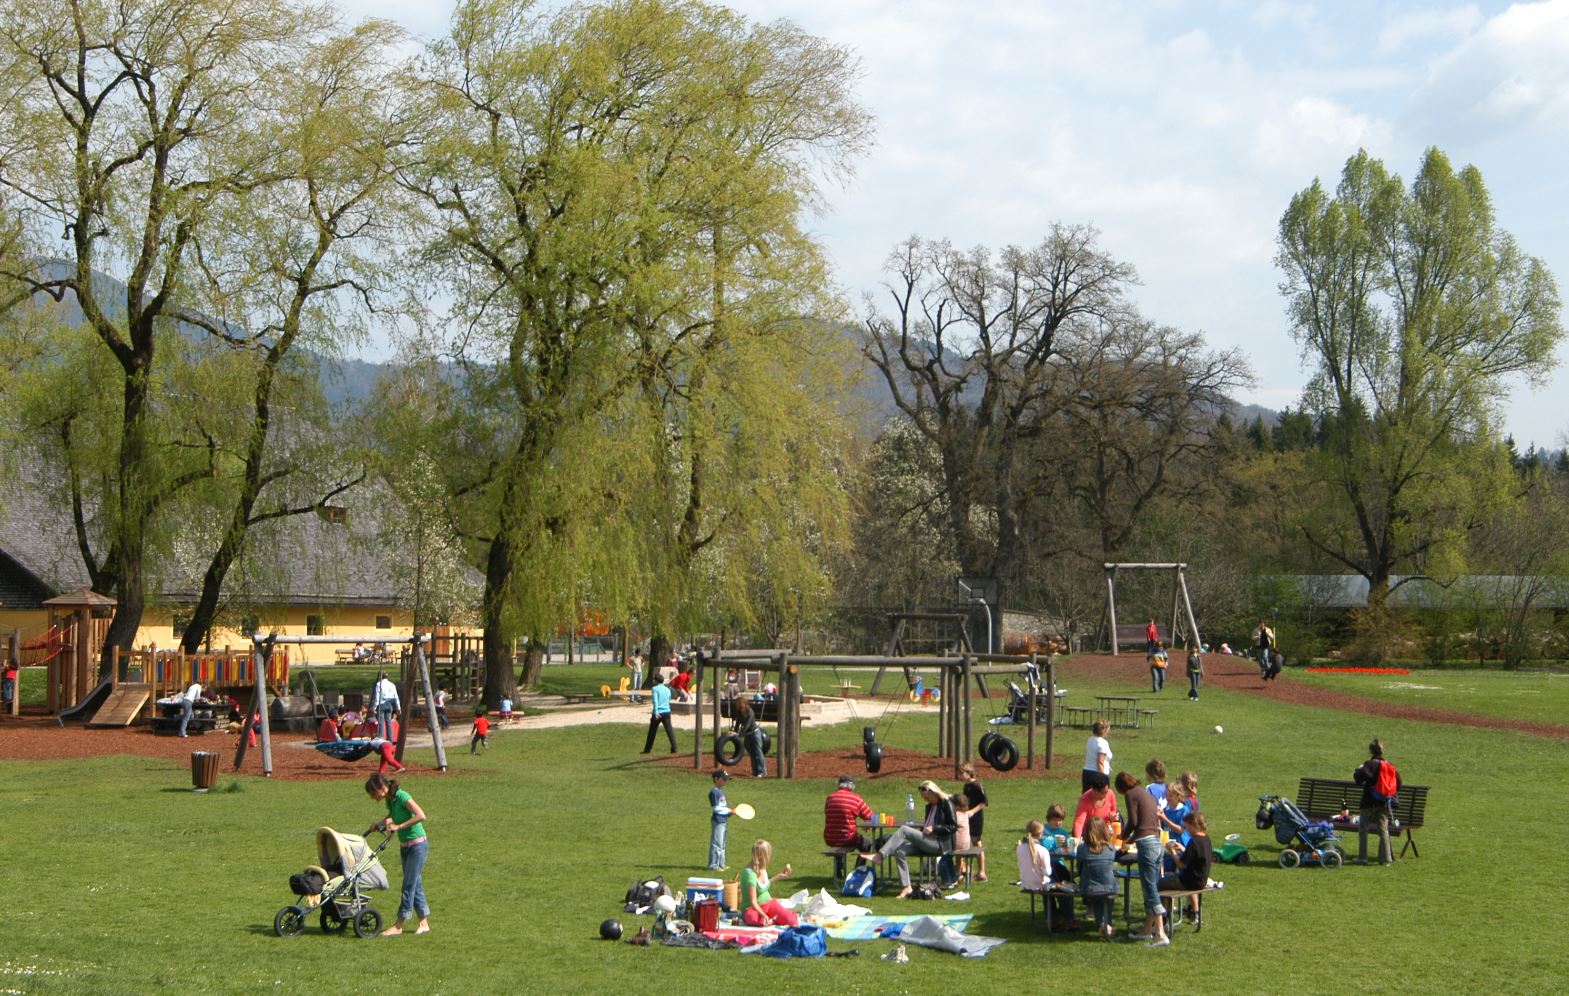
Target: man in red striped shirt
x=840 y=811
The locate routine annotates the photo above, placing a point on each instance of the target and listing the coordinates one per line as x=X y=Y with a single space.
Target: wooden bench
x=838 y=854
x=578 y=698
x=928 y=872
x=1056 y=890
x=1327 y=798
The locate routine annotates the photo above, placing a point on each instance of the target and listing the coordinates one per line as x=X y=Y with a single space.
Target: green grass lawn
x=1532 y=696
x=122 y=880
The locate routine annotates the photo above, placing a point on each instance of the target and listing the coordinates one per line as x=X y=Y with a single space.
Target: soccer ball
x=610 y=930
x=1219 y=730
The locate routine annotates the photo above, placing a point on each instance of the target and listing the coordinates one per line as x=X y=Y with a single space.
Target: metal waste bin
x=204 y=770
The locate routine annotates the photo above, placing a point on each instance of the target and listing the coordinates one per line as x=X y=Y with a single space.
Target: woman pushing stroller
x=407 y=820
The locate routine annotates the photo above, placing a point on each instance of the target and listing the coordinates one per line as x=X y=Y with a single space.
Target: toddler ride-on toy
x=348 y=865
x=1307 y=841
x=1233 y=851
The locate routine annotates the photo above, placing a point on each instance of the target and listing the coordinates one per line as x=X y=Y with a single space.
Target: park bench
x=838 y=854
x=578 y=698
x=1046 y=896
x=1327 y=798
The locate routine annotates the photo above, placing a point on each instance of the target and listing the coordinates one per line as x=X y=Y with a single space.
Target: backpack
x=642 y=894
x=861 y=882
x=1387 y=784
x=803 y=941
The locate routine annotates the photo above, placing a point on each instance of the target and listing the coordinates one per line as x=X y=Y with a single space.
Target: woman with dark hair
x=751 y=736
x=1143 y=829
x=407 y=820
x=659 y=714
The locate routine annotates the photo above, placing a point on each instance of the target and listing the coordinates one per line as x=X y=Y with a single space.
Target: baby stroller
x=349 y=866
x=1019 y=706
x=1307 y=841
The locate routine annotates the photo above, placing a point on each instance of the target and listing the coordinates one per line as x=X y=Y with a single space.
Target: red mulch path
x=38 y=738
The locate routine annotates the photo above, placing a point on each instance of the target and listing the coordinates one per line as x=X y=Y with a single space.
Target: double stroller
x=1306 y=841
x=349 y=867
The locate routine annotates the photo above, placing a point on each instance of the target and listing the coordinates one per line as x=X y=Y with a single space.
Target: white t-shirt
x=384 y=693
x=1093 y=748
x=194 y=693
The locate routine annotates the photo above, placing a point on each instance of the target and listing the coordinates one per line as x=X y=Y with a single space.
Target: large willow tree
x=597 y=178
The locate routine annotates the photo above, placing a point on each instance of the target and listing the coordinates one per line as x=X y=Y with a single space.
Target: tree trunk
x=499 y=681
x=533 y=664
x=130 y=530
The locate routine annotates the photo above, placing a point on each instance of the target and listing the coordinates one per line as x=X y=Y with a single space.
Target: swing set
x=1181 y=604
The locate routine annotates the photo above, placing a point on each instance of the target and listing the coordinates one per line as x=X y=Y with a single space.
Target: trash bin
x=204 y=770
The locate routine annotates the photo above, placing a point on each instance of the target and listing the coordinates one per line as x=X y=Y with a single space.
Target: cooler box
x=700 y=889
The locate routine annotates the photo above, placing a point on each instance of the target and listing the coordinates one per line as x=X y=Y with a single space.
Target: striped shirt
x=840 y=811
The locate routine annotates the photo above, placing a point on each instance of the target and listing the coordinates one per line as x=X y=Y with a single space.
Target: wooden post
x=963 y=756
x=1029 y=732
x=1176 y=597
x=717 y=683
x=261 y=654
x=1111 y=606
x=697 y=715
x=1051 y=707
x=942 y=713
x=423 y=666
x=784 y=727
x=1193 y=624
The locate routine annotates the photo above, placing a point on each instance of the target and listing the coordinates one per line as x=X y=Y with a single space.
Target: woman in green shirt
x=758 y=908
x=407 y=820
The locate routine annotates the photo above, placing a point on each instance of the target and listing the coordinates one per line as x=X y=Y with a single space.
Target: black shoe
x=646 y=752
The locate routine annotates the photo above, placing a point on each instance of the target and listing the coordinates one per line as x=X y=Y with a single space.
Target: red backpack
x=1387 y=784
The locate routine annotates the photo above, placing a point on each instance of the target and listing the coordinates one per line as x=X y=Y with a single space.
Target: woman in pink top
x=1098 y=801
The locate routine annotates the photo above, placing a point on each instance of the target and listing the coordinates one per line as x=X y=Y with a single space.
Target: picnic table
x=1120 y=710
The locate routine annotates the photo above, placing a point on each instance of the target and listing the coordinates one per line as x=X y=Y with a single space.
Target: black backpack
x=643 y=893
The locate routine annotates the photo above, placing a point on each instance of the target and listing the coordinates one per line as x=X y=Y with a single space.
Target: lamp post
x=980 y=600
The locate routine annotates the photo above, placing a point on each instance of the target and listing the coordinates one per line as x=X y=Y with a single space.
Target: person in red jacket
x=681 y=684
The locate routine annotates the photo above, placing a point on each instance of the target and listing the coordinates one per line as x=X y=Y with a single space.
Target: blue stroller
x=1306 y=841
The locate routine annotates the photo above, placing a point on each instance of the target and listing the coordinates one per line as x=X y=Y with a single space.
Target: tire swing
x=997 y=750
x=728 y=750
x=870 y=748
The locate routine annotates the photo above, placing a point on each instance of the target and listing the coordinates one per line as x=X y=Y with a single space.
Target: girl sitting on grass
x=758 y=907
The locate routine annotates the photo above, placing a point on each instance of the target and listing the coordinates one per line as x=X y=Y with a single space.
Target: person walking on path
x=1263 y=643
x=406 y=819
x=659 y=716
x=1375 y=812
x=1195 y=672
x=1143 y=829
x=384 y=703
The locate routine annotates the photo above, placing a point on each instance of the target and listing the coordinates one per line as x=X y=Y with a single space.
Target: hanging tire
x=332 y=922
x=1004 y=754
x=290 y=922
x=728 y=750
x=768 y=741
x=1289 y=858
x=874 y=757
x=983 y=746
x=367 y=923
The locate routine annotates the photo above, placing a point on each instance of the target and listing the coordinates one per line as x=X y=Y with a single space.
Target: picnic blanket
x=865 y=928
x=745 y=936
x=930 y=932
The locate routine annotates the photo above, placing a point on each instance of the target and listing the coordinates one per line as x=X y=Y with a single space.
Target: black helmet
x=610 y=930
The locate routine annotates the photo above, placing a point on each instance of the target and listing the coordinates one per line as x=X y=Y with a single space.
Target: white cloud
x=1422 y=25
x=1511 y=73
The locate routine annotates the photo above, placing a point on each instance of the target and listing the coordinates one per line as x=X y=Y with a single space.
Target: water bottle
x=909 y=808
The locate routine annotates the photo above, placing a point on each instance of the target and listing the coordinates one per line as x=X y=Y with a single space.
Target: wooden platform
x=123 y=705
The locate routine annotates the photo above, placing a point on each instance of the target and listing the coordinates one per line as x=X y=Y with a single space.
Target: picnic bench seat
x=1327 y=798
x=928 y=872
x=1046 y=895
x=838 y=854
x=1169 y=898
x=578 y=698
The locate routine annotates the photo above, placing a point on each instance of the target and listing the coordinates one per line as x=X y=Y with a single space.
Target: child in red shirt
x=481 y=732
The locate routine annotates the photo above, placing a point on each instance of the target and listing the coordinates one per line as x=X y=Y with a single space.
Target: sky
x=1180 y=129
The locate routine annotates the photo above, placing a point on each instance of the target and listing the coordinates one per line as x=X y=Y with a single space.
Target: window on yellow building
x=383 y=622
x=313 y=626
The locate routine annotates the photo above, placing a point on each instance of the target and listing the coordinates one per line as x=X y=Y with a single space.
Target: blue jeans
x=413 y=899
x=185 y=714
x=1151 y=855
x=716 y=844
x=1157 y=678
x=1193 y=684
x=637 y=685
x=7 y=690
x=754 y=750
x=384 y=721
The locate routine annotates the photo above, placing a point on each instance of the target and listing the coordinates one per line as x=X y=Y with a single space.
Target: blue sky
x=1181 y=129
